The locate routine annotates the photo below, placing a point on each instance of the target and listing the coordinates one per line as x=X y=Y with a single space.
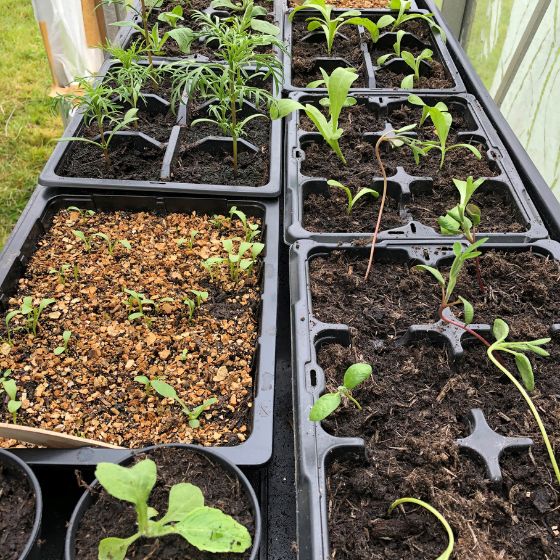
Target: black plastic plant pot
x=36 y=220
x=315 y=448
x=148 y=164
x=229 y=468
x=315 y=211
x=353 y=48
x=21 y=472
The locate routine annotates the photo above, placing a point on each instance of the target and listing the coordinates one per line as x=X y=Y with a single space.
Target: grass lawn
x=27 y=125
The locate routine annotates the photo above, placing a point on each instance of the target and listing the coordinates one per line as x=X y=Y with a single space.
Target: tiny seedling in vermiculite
x=8 y=386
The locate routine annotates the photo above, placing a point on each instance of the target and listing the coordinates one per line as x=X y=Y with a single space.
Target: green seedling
x=193 y=304
x=451 y=538
x=173 y=17
x=31 y=312
x=396 y=50
x=98 y=106
x=218 y=222
x=83 y=213
x=237 y=7
x=238 y=262
x=351 y=198
x=190 y=241
x=205 y=528
x=111 y=244
x=10 y=388
x=403 y=6
x=415 y=100
x=331 y=26
x=65 y=339
x=60 y=273
x=76 y=272
x=251 y=230
x=136 y=304
x=414 y=63
x=211 y=264
x=167 y=391
x=464 y=218
x=145 y=381
x=328 y=403
x=85 y=239
x=184 y=354
x=518 y=350
x=338 y=85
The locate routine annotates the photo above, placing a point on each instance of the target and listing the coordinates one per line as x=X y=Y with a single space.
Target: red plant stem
x=383 y=198
x=462 y=326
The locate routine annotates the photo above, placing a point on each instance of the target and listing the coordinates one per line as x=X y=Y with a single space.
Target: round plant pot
x=87 y=498
x=30 y=549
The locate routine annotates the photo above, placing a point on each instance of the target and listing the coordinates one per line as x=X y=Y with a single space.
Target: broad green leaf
x=408 y=82
x=183 y=498
x=367 y=24
x=415 y=100
x=131 y=484
x=433 y=271
x=468 y=310
x=27 y=305
x=408 y=57
x=340 y=82
x=442 y=123
x=324 y=406
x=356 y=374
x=448 y=225
x=113 y=548
x=142 y=379
x=263 y=26
x=184 y=37
x=211 y=530
x=500 y=330
x=10 y=387
x=385 y=21
x=126 y=244
x=383 y=59
x=14 y=406
x=525 y=370
x=164 y=389
x=283 y=107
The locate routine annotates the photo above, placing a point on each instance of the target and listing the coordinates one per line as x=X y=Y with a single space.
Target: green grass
x=27 y=126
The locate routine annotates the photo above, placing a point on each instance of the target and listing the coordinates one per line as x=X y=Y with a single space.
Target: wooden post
x=94 y=23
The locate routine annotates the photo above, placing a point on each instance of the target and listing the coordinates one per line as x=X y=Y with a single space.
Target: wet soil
x=109 y=517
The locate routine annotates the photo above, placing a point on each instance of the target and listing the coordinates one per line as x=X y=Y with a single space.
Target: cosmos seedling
x=328 y=403
x=396 y=50
x=331 y=26
x=83 y=213
x=145 y=381
x=60 y=273
x=518 y=350
x=85 y=239
x=8 y=386
x=403 y=6
x=446 y=555
x=167 y=391
x=111 y=244
x=65 y=339
x=251 y=230
x=137 y=303
x=338 y=85
x=32 y=313
x=415 y=100
x=190 y=241
x=205 y=528
x=237 y=261
x=351 y=198
x=414 y=63
x=193 y=304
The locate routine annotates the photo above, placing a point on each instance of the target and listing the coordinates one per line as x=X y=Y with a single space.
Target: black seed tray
x=368 y=66
x=169 y=150
x=35 y=221
x=402 y=186
x=315 y=449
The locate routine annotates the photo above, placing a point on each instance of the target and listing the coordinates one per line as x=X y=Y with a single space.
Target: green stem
x=359 y=407
x=531 y=406
x=146 y=32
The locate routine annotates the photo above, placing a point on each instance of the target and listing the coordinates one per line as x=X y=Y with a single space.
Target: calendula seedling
x=251 y=230
x=329 y=402
x=351 y=198
x=331 y=26
x=464 y=218
x=61 y=273
x=451 y=538
x=396 y=50
x=98 y=106
x=338 y=85
x=403 y=6
x=205 y=528
x=414 y=63
x=83 y=213
x=167 y=391
x=65 y=339
x=10 y=388
x=525 y=369
x=415 y=100
x=193 y=304
x=111 y=244
x=236 y=7
x=85 y=239
x=32 y=313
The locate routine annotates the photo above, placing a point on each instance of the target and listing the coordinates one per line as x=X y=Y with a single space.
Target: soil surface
x=327 y=211
x=17 y=512
x=305 y=51
x=212 y=163
x=109 y=517
x=89 y=390
x=414 y=407
x=435 y=78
